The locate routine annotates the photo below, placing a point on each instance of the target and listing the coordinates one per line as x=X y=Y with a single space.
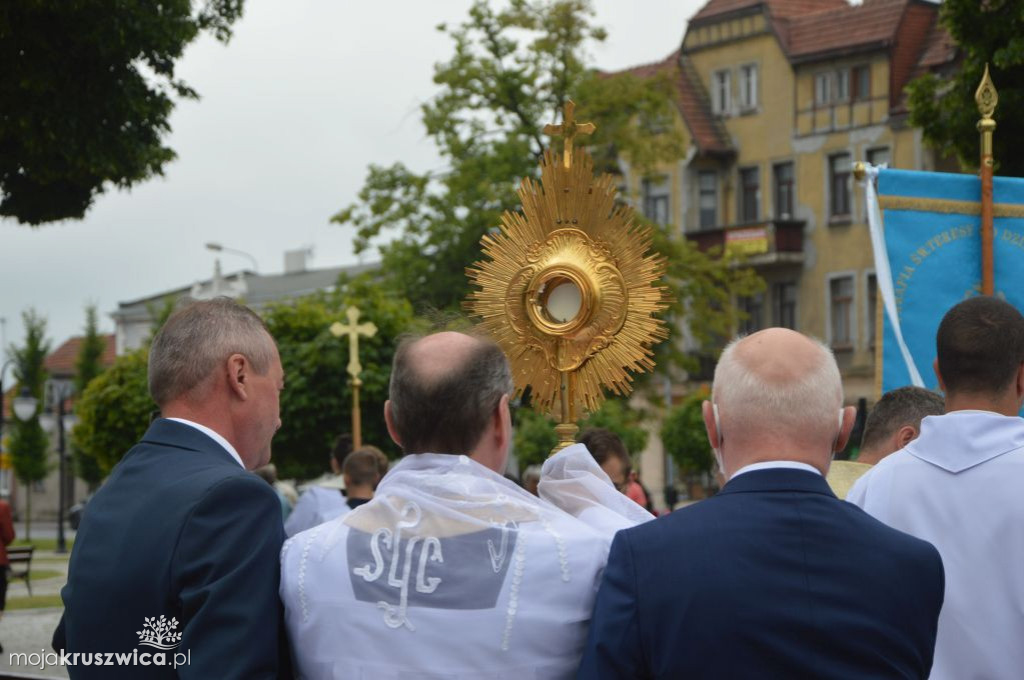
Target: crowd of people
x=441 y=567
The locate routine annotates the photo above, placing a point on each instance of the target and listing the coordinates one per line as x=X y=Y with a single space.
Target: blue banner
x=932 y=240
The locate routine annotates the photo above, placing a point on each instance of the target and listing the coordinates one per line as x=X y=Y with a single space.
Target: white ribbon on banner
x=883 y=273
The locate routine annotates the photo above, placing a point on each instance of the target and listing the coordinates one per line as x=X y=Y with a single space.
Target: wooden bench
x=20 y=558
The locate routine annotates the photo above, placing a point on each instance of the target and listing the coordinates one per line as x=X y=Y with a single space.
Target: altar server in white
x=451 y=571
x=959 y=486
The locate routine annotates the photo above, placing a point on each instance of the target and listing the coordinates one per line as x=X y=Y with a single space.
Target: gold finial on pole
x=353 y=330
x=987 y=98
x=568 y=131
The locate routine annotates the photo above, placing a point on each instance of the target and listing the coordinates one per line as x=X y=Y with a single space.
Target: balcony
x=773 y=242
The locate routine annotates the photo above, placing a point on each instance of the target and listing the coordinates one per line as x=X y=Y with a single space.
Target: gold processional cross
x=353 y=330
x=568 y=131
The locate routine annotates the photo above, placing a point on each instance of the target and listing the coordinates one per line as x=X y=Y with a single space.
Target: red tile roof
x=778 y=8
x=690 y=98
x=852 y=27
x=61 y=362
x=939 y=48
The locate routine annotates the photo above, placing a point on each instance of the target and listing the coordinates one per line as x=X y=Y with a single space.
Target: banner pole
x=986 y=98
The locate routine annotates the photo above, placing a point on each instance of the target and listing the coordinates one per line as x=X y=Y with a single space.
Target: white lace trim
x=518 y=565
x=303 y=600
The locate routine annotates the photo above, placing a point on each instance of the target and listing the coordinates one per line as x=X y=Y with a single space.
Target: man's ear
x=1020 y=381
x=904 y=436
x=710 y=426
x=942 y=383
x=845 y=428
x=389 y=420
x=238 y=375
x=503 y=423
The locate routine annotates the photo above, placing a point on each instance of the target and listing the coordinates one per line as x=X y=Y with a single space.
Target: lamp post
x=59 y=393
x=219 y=248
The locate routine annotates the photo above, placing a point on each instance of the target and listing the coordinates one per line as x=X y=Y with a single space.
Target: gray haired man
x=175 y=563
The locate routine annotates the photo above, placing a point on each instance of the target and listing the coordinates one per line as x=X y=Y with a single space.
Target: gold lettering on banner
x=946 y=206
x=918 y=255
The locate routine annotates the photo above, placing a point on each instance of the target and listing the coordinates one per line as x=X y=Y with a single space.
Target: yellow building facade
x=779 y=98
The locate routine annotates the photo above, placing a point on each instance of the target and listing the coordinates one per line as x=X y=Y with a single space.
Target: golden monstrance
x=569 y=289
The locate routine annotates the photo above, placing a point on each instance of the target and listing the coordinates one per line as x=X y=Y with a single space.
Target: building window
x=753 y=306
x=750 y=194
x=841 y=311
x=708 y=200
x=721 y=92
x=783 y=175
x=842 y=92
x=878 y=156
x=823 y=87
x=785 y=305
x=861 y=82
x=872 y=309
x=748 y=87
x=839 y=185
x=656 y=200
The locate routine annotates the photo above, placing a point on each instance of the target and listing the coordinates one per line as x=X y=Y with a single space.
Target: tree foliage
x=28 y=444
x=114 y=411
x=87 y=366
x=86 y=96
x=535 y=432
x=684 y=438
x=512 y=71
x=989 y=32
x=317 y=401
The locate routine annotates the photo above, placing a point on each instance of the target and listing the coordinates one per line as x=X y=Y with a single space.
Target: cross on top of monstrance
x=568 y=131
x=353 y=329
x=569 y=288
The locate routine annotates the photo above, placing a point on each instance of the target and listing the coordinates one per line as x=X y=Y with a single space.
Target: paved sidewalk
x=29 y=631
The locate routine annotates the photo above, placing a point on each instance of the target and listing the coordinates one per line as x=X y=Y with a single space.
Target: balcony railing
x=769 y=242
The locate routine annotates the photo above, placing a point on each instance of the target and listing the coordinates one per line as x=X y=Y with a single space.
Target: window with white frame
x=721 y=92
x=841 y=310
x=842 y=93
x=823 y=86
x=748 y=87
x=839 y=169
x=656 y=197
x=783 y=177
x=784 y=305
x=861 y=82
x=707 y=182
x=878 y=156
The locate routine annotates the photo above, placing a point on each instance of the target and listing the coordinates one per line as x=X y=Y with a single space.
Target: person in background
x=892 y=423
x=362 y=475
x=323 y=498
x=531 y=478
x=610 y=453
x=268 y=473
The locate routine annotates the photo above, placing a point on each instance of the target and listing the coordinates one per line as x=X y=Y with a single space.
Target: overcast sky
x=292 y=110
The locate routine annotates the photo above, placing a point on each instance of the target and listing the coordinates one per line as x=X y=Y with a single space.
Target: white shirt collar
x=214 y=436
x=769 y=464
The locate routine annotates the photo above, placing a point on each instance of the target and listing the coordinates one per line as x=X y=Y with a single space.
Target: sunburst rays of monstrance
x=569 y=290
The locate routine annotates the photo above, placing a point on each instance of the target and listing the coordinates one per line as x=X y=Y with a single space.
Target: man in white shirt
x=774 y=577
x=958 y=485
x=451 y=571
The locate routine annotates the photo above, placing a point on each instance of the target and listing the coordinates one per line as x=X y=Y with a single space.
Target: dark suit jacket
x=772 y=578
x=179 y=530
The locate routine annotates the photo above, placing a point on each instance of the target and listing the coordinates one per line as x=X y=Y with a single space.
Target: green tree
x=512 y=72
x=113 y=412
x=684 y=438
x=316 y=405
x=986 y=32
x=86 y=96
x=87 y=366
x=534 y=437
x=28 y=442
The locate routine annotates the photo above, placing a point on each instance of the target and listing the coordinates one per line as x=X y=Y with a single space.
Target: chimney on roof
x=295 y=260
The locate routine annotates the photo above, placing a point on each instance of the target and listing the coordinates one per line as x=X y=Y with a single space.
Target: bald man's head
x=780 y=382
x=444 y=389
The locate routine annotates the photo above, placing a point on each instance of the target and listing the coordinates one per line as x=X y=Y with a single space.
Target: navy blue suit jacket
x=179 y=530
x=772 y=578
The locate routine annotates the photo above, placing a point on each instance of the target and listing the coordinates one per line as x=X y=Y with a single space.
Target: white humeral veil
x=452 y=572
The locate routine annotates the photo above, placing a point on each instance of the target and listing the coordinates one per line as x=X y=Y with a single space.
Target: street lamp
x=218 y=248
x=59 y=393
x=25 y=404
